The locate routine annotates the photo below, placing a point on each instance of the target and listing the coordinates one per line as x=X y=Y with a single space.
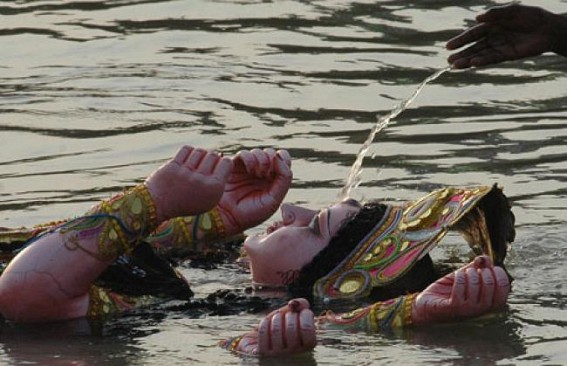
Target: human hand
x=505 y=33
x=290 y=329
x=470 y=291
x=190 y=183
x=255 y=189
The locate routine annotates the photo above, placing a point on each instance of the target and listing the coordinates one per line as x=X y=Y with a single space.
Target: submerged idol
x=362 y=266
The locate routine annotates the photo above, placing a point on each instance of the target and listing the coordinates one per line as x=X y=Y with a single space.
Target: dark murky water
x=95 y=94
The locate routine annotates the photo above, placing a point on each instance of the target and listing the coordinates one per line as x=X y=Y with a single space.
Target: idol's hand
x=290 y=329
x=255 y=189
x=470 y=291
x=508 y=32
x=191 y=183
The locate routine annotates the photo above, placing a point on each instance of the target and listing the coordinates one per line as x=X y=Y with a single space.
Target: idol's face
x=277 y=255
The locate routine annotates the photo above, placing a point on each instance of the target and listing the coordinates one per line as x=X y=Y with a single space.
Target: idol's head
x=307 y=245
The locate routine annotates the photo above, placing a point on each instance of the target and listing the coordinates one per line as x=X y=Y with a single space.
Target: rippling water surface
x=95 y=94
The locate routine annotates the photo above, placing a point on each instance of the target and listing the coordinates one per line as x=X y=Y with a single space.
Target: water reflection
x=483 y=342
x=69 y=343
x=96 y=94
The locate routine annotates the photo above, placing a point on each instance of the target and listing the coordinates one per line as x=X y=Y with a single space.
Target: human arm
x=509 y=32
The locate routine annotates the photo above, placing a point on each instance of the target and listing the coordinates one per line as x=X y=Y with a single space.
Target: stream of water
x=353 y=178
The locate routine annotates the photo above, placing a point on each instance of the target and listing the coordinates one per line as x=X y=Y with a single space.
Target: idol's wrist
x=134 y=209
x=417 y=314
x=156 y=199
x=119 y=222
x=229 y=223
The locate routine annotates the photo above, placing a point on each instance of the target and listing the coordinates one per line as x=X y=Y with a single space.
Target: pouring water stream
x=353 y=179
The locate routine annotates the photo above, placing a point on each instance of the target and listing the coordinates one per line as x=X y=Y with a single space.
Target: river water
x=96 y=94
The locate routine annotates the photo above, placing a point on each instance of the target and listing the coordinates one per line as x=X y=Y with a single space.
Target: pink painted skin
x=257 y=185
x=473 y=290
x=288 y=330
x=505 y=33
x=191 y=183
x=277 y=255
x=287 y=245
x=56 y=279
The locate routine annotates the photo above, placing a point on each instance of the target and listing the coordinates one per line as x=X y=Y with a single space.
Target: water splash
x=353 y=179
